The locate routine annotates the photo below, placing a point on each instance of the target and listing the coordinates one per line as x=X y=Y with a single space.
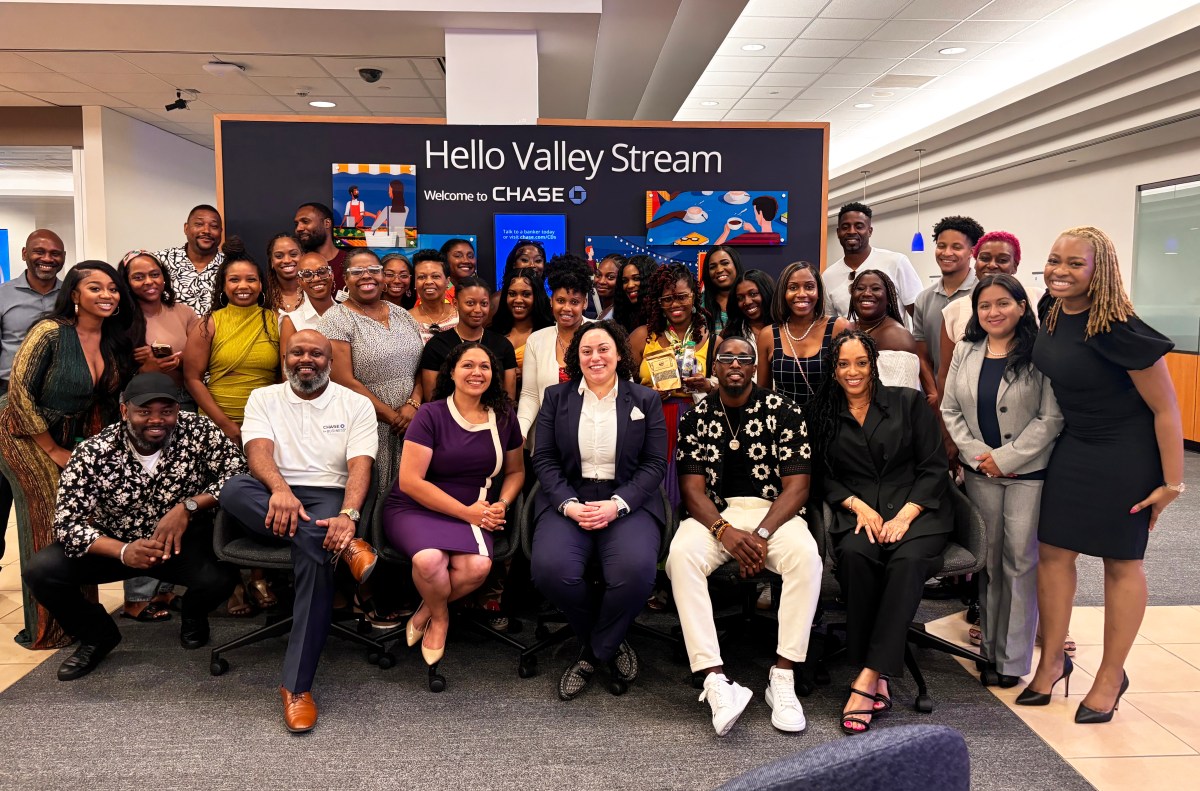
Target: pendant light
x=918 y=241
x=865 y=173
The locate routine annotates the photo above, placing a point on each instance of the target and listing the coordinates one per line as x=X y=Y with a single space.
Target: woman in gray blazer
x=1001 y=413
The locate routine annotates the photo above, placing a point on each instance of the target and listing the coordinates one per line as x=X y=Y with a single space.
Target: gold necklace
x=363 y=310
x=873 y=327
x=733 y=442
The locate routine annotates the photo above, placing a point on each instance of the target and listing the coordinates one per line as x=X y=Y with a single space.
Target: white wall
x=1102 y=194
x=139 y=183
x=21 y=215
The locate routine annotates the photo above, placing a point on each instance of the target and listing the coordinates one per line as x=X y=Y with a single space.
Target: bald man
x=22 y=300
x=310 y=444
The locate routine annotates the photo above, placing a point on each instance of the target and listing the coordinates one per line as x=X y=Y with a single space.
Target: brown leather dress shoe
x=360 y=558
x=299 y=711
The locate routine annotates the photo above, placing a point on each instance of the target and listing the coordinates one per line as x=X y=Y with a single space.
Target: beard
x=310 y=386
x=143 y=446
x=316 y=238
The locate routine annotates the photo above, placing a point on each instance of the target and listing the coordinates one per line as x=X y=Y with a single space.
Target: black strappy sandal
x=883 y=698
x=849 y=716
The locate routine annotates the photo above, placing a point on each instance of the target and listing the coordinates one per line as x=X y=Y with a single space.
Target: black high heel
x=1030 y=698
x=1086 y=716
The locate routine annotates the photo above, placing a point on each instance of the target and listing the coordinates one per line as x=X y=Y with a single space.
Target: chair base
x=279 y=626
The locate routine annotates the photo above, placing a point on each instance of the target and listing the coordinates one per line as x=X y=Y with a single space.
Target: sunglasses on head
x=729 y=358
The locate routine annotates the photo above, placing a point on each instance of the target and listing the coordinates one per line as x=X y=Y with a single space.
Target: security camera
x=370 y=75
x=180 y=103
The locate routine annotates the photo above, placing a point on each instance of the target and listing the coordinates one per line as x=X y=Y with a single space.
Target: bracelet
x=721 y=530
x=716 y=526
x=123 y=548
x=507 y=504
x=412 y=402
x=850 y=505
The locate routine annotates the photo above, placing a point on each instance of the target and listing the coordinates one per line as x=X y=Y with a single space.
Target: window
x=1166 y=260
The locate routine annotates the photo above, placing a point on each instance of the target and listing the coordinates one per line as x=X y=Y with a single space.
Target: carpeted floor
x=153 y=717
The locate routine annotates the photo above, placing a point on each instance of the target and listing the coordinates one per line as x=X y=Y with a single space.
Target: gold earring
x=76 y=308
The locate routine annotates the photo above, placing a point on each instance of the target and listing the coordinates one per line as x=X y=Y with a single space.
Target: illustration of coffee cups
x=734 y=223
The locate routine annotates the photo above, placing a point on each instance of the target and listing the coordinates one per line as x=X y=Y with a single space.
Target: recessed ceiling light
x=1072 y=161
x=754 y=47
x=863 y=105
x=323 y=105
x=952 y=51
x=709 y=103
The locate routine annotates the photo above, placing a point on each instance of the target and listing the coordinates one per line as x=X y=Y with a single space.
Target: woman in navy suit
x=600 y=457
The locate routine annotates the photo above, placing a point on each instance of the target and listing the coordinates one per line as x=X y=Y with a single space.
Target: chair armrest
x=970 y=531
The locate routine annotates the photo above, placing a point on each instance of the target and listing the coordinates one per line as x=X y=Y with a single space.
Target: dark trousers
x=55 y=579
x=246 y=500
x=628 y=553
x=883 y=584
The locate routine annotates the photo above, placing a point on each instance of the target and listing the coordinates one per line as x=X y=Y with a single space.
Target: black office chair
x=965 y=553
x=233 y=544
x=528 y=665
x=504 y=545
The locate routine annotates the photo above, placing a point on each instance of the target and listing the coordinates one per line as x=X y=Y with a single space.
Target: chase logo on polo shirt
x=333 y=428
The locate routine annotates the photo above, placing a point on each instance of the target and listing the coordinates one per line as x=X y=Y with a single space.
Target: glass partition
x=1166 y=260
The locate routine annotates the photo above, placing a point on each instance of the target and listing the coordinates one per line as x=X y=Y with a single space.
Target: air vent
x=901 y=81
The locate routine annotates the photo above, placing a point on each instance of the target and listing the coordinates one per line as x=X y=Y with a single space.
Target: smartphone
x=161 y=349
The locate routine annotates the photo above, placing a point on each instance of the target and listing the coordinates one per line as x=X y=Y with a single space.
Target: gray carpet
x=153 y=717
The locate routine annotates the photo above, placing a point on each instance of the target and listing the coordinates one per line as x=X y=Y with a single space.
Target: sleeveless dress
x=244 y=356
x=900 y=369
x=1106 y=458
x=799 y=378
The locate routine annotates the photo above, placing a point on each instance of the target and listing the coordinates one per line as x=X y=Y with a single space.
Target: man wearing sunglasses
x=743 y=459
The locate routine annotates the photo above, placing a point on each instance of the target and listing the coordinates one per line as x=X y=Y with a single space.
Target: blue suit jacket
x=641 y=448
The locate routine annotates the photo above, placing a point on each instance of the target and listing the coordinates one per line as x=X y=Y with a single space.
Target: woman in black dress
x=1117 y=464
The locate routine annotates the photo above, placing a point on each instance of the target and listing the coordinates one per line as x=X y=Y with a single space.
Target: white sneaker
x=786 y=711
x=726 y=699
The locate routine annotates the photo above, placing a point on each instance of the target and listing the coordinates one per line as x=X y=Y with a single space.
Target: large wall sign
x=596 y=174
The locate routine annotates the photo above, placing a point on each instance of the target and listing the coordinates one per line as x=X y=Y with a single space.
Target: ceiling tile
x=742 y=78
x=139 y=82
x=885 y=49
x=768 y=26
x=980 y=68
x=785 y=79
x=768 y=92
x=709 y=104
x=789 y=8
x=915 y=66
x=211 y=83
x=911 y=30
x=437 y=88
x=863 y=9
x=1046 y=30
x=235 y=103
x=991 y=32
x=933 y=51
x=13 y=99
x=1014 y=52
x=864 y=65
x=402 y=106
x=845 y=80
x=840 y=28
x=387 y=89
x=741 y=63
x=846 y=113
x=10 y=61
x=798 y=116
x=825 y=48
x=200 y=140
x=428 y=68
x=199 y=129
x=955 y=81
x=346 y=105
x=750 y=115
x=83 y=62
x=82 y=99
x=162 y=62
x=700 y=115
x=760 y=104
x=392 y=68
x=771 y=47
x=43 y=82
x=287 y=86
x=944 y=9
x=717 y=92
x=829 y=94
x=803 y=65
x=1020 y=9
x=277 y=65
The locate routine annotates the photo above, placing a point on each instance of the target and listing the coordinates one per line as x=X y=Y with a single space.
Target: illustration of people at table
x=744 y=232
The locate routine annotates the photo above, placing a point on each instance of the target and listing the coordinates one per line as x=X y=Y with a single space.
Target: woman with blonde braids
x=1117 y=464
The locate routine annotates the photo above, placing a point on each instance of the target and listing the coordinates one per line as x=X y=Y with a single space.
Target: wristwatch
x=350 y=512
x=622 y=510
x=191 y=505
x=763 y=533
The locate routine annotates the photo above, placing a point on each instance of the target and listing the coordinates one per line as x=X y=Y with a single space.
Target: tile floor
x=1153 y=741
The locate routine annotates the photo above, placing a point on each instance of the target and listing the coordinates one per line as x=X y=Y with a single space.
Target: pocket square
x=636 y=414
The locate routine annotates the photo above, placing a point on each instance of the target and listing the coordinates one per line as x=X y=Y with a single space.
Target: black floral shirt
x=105 y=490
x=191 y=287
x=773 y=441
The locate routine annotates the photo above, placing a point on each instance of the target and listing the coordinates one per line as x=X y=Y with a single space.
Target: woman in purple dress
x=458 y=451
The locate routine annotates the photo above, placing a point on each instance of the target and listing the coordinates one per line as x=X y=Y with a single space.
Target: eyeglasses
x=728 y=358
x=309 y=274
x=675 y=299
x=359 y=271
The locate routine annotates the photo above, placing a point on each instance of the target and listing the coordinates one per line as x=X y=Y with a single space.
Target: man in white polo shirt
x=310 y=444
x=854 y=231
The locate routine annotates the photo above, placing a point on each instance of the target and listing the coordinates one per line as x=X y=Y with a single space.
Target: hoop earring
x=262 y=300
x=117 y=312
x=223 y=299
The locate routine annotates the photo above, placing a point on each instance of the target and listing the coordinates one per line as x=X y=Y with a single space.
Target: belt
x=596 y=480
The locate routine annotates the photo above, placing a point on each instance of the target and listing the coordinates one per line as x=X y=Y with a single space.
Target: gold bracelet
x=721 y=530
x=412 y=402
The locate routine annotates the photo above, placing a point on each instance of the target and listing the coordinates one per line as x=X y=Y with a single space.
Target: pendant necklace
x=733 y=443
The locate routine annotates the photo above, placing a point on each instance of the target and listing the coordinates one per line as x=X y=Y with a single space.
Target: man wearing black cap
x=137 y=497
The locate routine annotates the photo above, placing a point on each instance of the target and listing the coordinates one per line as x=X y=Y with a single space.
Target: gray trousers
x=1008 y=583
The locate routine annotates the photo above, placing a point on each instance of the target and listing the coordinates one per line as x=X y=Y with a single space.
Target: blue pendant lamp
x=918 y=240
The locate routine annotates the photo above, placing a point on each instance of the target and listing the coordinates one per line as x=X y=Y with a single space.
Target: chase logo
x=577 y=195
x=333 y=428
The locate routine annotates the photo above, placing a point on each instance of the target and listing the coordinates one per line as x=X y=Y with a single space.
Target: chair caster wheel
x=804 y=687
x=218 y=666
x=617 y=687
x=373 y=657
x=924 y=704
x=514 y=626
x=678 y=653
x=436 y=683
x=528 y=668
x=698 y=680
x=387 y=661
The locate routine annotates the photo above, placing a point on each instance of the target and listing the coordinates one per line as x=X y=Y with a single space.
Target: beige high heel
x=412 y=633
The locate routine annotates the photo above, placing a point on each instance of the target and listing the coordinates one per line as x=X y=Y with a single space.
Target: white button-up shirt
x=598 y=434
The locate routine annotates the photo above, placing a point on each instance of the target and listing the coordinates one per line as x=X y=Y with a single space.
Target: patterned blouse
x=191 y=287
x=773 y=443
x=105 y=490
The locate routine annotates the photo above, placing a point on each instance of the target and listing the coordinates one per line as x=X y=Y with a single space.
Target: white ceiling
x=874 y=69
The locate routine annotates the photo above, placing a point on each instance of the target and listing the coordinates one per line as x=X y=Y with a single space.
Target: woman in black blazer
x=885 y=478
x=600 y=457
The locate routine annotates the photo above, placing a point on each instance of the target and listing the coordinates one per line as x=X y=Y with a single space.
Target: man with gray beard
x=310 y=444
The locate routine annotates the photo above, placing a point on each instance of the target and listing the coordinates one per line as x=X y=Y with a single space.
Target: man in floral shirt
x=743 y=458
x=137 y=496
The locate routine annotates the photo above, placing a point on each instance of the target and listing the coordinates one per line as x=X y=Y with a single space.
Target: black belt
x=597 y=480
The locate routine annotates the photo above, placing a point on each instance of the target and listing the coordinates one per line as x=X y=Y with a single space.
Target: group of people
x=615 y=394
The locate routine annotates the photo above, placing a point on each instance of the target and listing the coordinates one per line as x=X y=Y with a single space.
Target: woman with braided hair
x=875 y=309
x=1117 y=464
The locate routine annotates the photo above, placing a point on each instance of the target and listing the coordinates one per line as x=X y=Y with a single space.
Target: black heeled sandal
x=1030 y=698
x=882 y=697
x=851 y=716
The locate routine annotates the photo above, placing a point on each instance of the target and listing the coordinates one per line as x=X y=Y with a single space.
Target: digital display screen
x=549 y=229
